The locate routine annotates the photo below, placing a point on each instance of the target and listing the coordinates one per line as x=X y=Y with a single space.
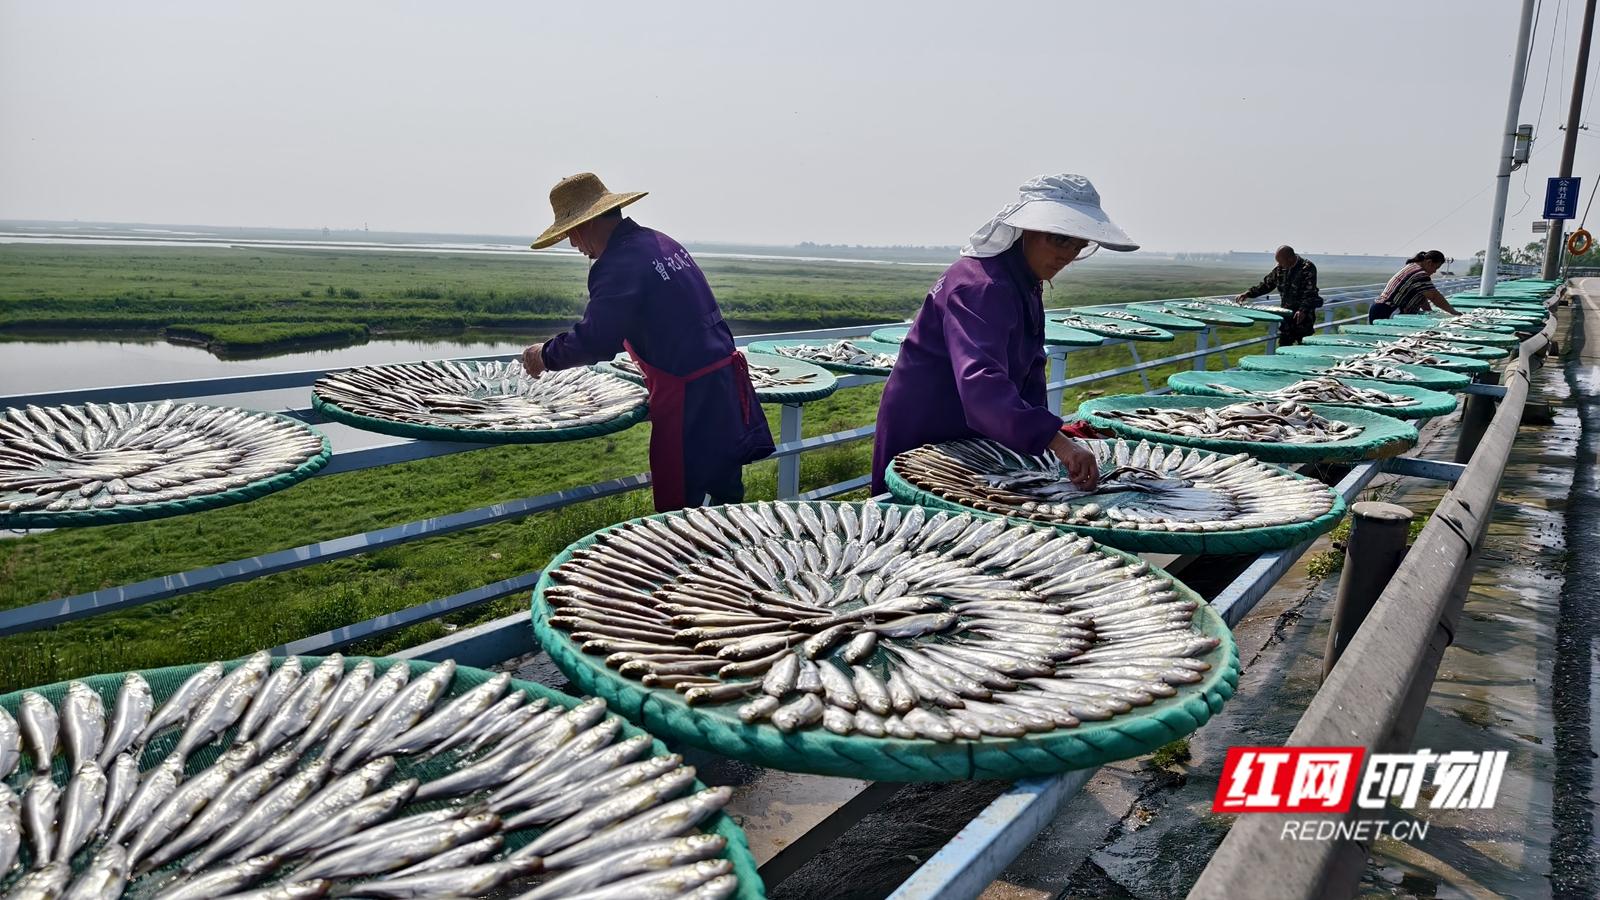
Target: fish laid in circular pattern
x=1143 y=487
x=483 y=398
x=876 y=621
x=354 y=778
x=121 y=456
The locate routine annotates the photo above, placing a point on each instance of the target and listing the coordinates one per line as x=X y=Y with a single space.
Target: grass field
x=86 y=291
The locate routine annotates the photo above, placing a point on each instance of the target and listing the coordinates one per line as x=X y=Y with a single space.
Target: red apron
x=667 y=392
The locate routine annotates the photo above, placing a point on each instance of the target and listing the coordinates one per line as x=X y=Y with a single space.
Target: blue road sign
x=1561 y=198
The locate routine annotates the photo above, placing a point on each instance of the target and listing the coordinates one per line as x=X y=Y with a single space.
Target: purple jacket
x=645 y=288
x=972 y=366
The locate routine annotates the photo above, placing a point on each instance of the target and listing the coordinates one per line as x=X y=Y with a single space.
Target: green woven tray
x=1254 y=313
x=1210 y=315
x=1432 y=379
x=120 y=514
x=1054 y=336
x=1107 y=327
x=1466 y=336
x=1147 y=316
x=820 y=384
x=1371 y=341
x=1425 y=321
x=1381 y=436
x=1466 y=365
x=1429 y=403
x=770 y=348
x=1511 y=305
x=166 y=680
x=818 y=751
x=1245 y=540
x=336 y=413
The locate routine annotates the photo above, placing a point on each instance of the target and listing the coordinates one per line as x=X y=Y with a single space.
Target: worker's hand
x=533 y=360
x=1241 y=296
x=1080 y=463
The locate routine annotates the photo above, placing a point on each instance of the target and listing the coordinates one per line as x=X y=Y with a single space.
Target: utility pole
x=1553 y=244
x=1508 y=145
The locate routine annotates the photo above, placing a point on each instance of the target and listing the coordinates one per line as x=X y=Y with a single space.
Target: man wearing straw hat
x=648 y=297
x=973 y=365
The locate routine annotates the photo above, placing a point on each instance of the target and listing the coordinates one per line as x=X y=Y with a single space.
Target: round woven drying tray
x=159 y=453
x=1138 y=540
x=1466 y=365
x=1431 y=379
x=816 y=382
x=164 y=681
x=771 y=348
x=1381 y=436
x=1372 y=341
x=717 y=727
x=1429 y=403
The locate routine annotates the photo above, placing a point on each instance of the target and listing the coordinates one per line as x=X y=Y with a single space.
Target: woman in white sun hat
x=974 y=364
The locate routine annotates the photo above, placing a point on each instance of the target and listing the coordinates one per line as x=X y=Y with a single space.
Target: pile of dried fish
x=1395 y=352
x=1119 y=315
x=761 y=377
x=108 y=455
x=1362 y=367
x=1373 y=342
x=1142 y=487
x=480 y=396
x=839 y=352
x=1325 y=389
x=1241 y=304
x=1112 y=328
x=878 y=620
x=1283 y=422
x=320 y=784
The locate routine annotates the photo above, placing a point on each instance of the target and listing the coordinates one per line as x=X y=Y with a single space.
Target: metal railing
x=1376 y=693
x=964 y=866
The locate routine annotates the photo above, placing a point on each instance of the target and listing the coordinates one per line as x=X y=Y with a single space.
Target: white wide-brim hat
x=1057 y=204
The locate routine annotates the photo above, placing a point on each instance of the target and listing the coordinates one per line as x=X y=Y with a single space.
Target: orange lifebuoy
x=1580 y=242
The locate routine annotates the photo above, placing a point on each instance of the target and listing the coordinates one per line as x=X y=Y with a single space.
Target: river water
x=28 y=367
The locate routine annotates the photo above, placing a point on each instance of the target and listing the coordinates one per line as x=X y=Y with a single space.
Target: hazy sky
x=1349 y=127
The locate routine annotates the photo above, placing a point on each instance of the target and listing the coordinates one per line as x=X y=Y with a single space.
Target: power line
x=1409 y=241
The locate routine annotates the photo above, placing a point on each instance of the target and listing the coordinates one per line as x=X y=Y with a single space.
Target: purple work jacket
x=972 y=366
x=646 y=289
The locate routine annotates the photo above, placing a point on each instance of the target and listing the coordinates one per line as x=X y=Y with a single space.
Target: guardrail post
x=1056 y=365
x=1272 y=337
x=1476 y=415
x=789 y=420
x=1144 y=374
x=1202 y=340
x=1377 y=544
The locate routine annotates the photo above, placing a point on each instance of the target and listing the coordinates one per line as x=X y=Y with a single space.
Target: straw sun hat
x=575 y=200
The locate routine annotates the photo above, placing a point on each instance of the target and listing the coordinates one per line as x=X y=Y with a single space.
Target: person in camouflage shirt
x=1295 y=280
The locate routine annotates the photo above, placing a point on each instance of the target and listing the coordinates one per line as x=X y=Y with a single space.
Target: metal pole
x=1508 y=142
x=1553 y=243
x=1378 y=533
x=1475 y=418
x=789 y=429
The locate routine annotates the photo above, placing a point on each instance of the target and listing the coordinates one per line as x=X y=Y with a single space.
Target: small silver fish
x=83 y=723
x=105 y=877
x=128 y=718
x=40 y=800
x=40 y=727
x=177 y=707
x=81 y=806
